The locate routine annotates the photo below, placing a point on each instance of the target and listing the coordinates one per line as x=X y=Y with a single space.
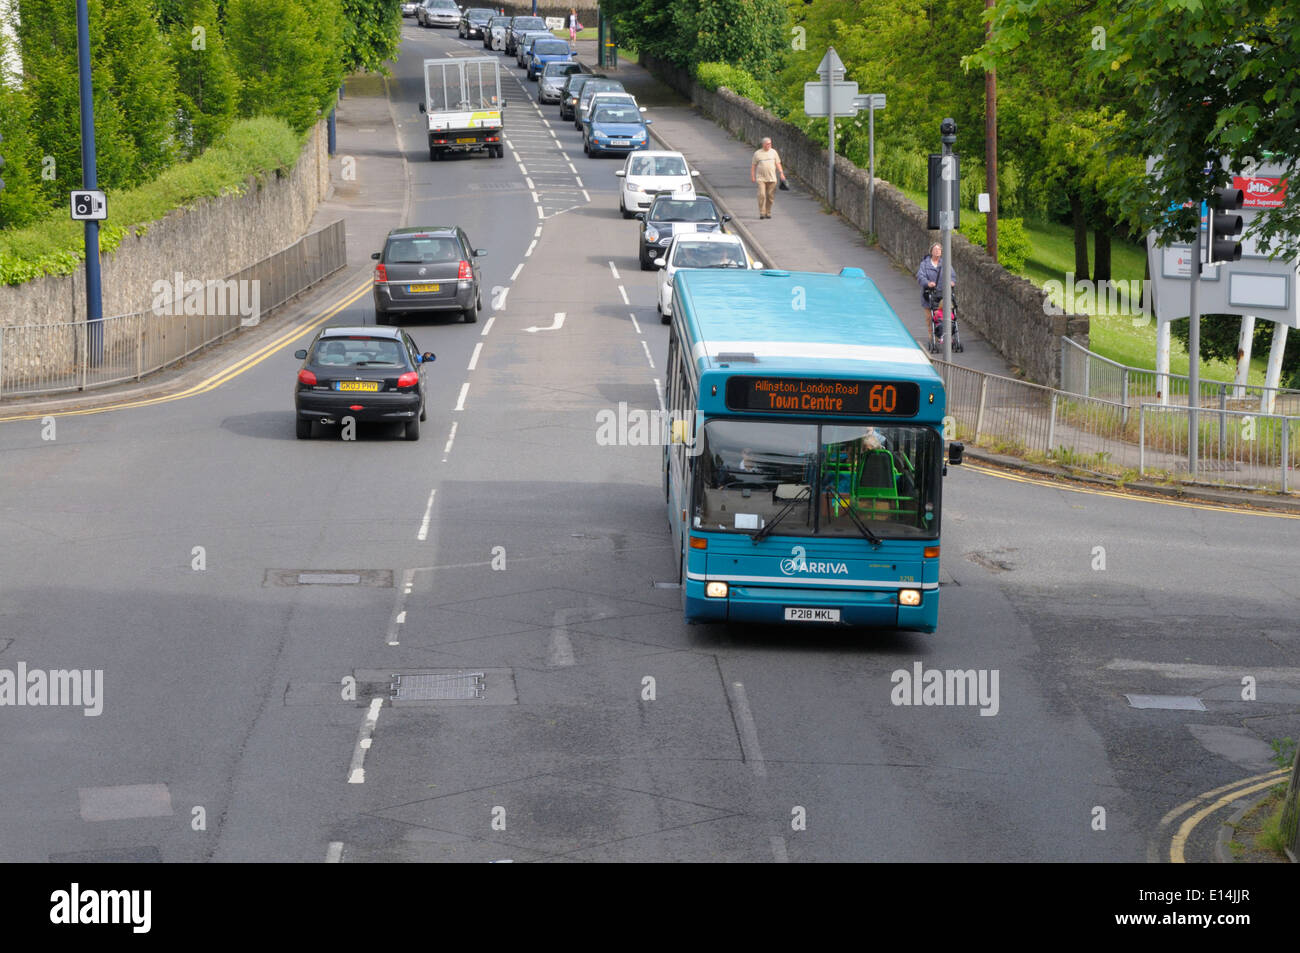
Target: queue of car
x=377 y=374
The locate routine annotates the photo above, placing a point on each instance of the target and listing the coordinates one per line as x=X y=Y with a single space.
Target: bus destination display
x=806 y=395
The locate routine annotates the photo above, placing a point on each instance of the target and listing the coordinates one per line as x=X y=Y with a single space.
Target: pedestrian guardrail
x=1290 y=826
x=1242 y=449
x=1087 y=373
x=77 y=355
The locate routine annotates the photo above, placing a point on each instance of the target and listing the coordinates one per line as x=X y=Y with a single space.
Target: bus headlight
x=909 y=597
x=716 y=590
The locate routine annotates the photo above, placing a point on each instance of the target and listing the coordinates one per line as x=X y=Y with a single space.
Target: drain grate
x=328 y=578
x=375 y=578
x=426 y=687
x=1168 y=702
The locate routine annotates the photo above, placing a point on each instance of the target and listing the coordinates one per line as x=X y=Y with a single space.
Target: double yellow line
x=1208 y=803
x=222 y=376
x=1121 y=495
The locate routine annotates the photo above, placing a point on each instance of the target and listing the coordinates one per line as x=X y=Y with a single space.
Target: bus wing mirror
x=955 y=451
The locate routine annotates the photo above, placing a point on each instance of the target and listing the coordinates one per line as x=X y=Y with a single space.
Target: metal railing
x=1089 y=374
x=1236 y=448
x=1290 y=826
x=76 y=355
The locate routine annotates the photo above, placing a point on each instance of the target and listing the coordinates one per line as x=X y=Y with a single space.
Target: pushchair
x=934 y=308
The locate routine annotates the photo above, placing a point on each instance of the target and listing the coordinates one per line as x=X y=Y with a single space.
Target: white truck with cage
x=463 y=103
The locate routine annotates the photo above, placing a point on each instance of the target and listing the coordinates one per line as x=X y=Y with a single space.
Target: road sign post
x=89 y=182
x=870 y=102
x=828 y=98
x=948 y=135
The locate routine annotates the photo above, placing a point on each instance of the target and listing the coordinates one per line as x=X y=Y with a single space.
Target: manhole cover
x=427 y=687
x=328 y=578
x=1169 y=702
x=375 y=578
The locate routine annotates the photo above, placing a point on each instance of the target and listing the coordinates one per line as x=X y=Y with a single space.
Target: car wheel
x=433 y=154
x=424 y=412
x=645 y=262
x=412 y=429
x=470 y=314
x=304 y=429
x=623 y=208
x=382 y=317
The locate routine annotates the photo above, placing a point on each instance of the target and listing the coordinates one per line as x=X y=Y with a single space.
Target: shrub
x=1013 y=241
x=740 y=82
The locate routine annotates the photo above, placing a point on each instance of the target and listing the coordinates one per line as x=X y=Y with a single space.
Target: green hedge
x=1014 y=246
x=740 y=82
x=55 y=246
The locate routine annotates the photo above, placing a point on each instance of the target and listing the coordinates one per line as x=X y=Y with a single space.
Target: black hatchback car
x=368 y=374
x=670 y=215
x=472 y=22
x=431 y=268
x=570 y=92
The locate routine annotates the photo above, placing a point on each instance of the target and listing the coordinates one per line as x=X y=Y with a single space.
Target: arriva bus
x=803 y=471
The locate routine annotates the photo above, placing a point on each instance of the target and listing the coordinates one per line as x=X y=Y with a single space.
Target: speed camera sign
x=89 y=205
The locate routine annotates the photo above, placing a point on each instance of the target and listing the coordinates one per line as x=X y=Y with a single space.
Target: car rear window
x=617 y=114
x=684 y=210
x=422 y=250
x=358 y=352
x=550 y=46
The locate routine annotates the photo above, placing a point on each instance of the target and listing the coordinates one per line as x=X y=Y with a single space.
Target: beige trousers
x=766 y=192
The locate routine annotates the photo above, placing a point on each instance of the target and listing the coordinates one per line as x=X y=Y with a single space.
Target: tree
x=372 y=32
x=287 y=54
x=1213 y=79
x=20 y=199
x=208 y=88
x=129 y=45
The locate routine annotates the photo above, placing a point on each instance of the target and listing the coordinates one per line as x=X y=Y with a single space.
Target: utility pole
x=991 y=148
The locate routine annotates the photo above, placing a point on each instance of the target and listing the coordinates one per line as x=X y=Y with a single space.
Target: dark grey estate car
x=433 y=268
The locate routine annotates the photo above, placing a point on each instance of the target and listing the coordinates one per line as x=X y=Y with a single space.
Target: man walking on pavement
x=765 y=169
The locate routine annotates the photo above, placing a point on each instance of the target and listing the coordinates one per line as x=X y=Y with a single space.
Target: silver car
x=551 y=83
x=410 y=9
x=438 y=13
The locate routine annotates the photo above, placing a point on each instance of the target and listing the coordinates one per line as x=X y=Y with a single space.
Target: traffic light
x=1224 y=238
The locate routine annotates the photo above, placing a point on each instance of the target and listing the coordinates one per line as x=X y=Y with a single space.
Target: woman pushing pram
x=928 y=276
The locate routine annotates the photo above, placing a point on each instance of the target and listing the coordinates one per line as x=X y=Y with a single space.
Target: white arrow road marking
x=559 y=323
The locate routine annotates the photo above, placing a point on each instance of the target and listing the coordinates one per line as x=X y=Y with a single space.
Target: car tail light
x=381 y=273
x=409 y=379
x=306 y=378
x=464 y=274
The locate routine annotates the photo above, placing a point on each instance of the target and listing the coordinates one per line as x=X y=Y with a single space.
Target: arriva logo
x=798 y=562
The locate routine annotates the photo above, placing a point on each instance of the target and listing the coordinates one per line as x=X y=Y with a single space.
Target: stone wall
x=218 y=237
x=1005 y=309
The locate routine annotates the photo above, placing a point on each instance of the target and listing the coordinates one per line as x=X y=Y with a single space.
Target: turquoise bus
x=803 y=468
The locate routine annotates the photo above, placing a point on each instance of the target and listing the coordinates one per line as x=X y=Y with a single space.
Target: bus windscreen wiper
x=857 y=520
x=804 y=494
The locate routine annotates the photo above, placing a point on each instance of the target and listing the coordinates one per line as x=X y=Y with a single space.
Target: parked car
x=518 y=27
x=550 y=85
x=546 y=51
x=589 y=89
x=671 y=215
x=618 y=128
x=434 y=268
x=698 y=250
x=438 y=13
x=525 y=41
x=366 y=373
x=571 y=92
x=647 y=174
x=472 y=22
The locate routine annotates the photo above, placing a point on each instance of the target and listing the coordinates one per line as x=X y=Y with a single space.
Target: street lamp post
x=948 y=174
